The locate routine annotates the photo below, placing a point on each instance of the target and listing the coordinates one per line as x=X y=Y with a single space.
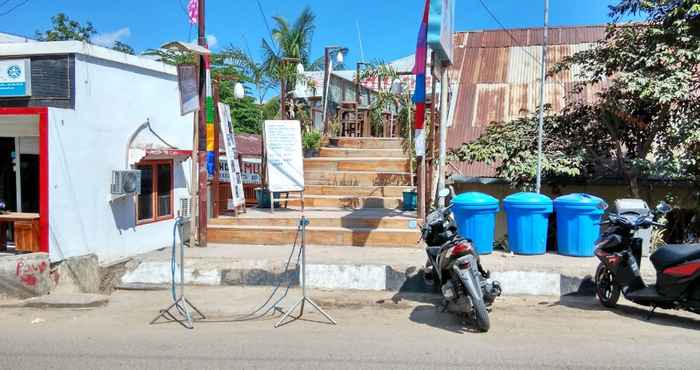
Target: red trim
x=685 y=270
x=43 y=113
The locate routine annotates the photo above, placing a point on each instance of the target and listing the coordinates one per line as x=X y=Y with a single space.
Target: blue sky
x=388 y=27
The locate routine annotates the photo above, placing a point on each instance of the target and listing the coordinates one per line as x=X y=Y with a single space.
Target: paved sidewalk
x=392 y=269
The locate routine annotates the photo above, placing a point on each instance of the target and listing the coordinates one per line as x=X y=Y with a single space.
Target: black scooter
x=620 y=253
x=454 y=266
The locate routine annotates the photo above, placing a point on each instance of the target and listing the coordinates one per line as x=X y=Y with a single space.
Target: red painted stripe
x=684 y=270
x=43 y=113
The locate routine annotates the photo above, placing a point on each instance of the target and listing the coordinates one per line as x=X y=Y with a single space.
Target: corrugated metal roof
x=499 y=79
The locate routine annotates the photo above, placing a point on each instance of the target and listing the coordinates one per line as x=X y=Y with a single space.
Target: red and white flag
x=193 y=11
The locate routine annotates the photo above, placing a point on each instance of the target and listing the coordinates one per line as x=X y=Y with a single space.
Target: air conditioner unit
x=126 y=182
x=186 y=207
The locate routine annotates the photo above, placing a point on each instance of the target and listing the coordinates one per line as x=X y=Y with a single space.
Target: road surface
x=373 y=332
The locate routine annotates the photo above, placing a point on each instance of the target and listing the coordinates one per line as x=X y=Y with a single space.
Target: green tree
x=254 y=72
x=246 y=115
x=124 y=48
x=65 y=29
x=645 y=120
x=290 y=41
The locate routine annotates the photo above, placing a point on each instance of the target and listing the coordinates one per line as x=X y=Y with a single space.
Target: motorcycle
x=619 y=251
x=453 y=265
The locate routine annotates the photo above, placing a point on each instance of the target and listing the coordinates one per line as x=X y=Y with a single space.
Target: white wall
x=86 y=144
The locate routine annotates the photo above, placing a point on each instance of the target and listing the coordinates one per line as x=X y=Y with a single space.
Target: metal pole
x=444 y=110
x=326 y=77
x=543 y=75
x=202 y=132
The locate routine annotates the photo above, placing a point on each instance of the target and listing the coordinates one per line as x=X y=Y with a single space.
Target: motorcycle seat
x=674 y=254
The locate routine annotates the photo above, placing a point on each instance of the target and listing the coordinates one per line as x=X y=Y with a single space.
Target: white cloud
x=212 y=41
x=108 y=39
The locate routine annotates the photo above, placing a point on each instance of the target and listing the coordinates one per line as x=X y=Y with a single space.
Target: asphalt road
x=406 y=333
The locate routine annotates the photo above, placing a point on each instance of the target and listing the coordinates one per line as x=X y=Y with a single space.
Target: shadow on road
x=432 y=315
x=629 y=310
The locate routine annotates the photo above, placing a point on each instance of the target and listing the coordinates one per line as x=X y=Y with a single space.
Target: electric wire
x=253 y=315
x=13 y=8
x=516 y=42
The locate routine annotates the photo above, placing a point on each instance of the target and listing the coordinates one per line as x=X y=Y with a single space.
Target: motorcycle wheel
x=483 y=323
x=607 y=290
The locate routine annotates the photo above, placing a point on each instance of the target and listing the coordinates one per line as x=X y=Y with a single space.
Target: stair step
x=361 y=153
x=366 y=142
x=363 y=191
x=348 y=221
x=284 y=235
x=357 y=164
x=345 y=201
x=357 y=178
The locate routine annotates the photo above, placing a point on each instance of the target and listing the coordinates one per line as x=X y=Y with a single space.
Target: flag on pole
x=193 y=11
x=419 y=70
x=210 y=117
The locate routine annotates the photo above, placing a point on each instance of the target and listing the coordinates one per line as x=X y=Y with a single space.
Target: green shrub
x=312 y=140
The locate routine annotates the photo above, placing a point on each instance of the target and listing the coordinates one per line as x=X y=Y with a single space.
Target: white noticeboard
x=234 y=169
x=285 y=159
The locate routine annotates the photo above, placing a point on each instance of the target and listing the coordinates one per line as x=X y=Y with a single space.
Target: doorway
x=8 y=179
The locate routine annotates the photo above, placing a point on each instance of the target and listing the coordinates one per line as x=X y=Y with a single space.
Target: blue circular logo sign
x=14 y=72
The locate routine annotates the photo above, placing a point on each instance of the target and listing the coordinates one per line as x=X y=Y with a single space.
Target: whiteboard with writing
x=285 y=159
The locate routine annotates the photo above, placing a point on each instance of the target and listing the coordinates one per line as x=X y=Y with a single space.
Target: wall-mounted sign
x=188 y=85
x=15 y=78
x=285 y=159
x=441 y=28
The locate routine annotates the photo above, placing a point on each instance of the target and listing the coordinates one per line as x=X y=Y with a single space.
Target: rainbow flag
x=210 y=115
x=419 y=70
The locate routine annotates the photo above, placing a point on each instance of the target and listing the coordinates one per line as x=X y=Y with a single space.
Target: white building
x=88 y=111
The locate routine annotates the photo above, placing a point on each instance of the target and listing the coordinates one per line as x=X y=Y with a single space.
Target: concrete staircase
x=353 y=197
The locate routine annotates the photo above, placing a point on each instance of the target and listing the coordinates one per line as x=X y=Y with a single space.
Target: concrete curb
x=75 y=301
x=368 y=277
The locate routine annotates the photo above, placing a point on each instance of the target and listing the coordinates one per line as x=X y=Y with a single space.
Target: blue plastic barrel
x=410 y=200
x=475 y=216
x=578 y=216
x=528 y=217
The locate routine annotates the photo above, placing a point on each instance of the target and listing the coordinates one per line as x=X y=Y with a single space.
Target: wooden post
x=202 y=139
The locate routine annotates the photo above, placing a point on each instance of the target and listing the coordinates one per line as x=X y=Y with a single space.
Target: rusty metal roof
x=499 y=79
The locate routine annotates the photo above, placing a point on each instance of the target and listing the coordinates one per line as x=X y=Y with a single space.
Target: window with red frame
x=155 y=202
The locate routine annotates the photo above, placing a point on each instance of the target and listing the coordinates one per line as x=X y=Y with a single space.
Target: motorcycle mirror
x=603 y=205
x=663 y=207
x=444 y=192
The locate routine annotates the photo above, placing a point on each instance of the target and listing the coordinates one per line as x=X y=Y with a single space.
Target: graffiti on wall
x=28 y=273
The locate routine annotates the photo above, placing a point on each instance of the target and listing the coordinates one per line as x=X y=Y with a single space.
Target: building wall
x=87 y=143
x=686 y=196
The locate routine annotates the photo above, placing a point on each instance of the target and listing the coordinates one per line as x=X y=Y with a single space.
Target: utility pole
x=202 y=177
x=326 y=82
x=543 y=76
x=444 y=112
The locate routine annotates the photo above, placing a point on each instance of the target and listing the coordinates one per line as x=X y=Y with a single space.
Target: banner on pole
x=285 y=159
x=234 y=169
x=187 y=81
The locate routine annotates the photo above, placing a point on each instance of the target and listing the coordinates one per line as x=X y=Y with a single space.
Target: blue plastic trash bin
x=475 y=216
x=578 y=216
x=528 y=216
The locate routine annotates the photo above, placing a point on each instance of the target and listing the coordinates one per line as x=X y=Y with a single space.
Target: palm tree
x=254 y=72
x=290 y=41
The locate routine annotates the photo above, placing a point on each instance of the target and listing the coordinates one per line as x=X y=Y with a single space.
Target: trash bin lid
x=475 y=200
x=528 y=200
x=578 y=200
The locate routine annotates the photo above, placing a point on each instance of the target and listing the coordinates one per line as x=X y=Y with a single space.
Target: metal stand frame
x=304 y=298
x=179 y=310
